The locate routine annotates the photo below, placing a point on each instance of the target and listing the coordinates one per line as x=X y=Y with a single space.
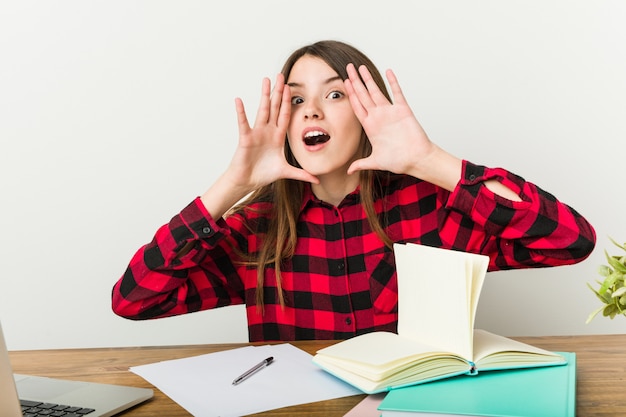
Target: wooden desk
x=601 y=377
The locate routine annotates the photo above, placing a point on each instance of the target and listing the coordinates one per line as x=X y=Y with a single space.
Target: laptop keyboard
x=37 y=409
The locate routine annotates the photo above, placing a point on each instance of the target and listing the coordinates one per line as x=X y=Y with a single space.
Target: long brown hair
x=285 y=195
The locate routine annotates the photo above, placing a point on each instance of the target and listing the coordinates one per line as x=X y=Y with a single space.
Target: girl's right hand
x=259 y=158
x=260 y=155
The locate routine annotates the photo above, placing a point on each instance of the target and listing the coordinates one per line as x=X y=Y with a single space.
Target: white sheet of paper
x=203 y=384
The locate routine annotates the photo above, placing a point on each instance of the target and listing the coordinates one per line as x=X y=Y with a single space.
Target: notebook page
x=436 y=297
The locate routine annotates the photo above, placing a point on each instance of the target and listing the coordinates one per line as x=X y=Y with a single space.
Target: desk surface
x=601 y=373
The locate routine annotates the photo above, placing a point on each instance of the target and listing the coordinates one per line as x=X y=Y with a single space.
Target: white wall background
x=115 y=114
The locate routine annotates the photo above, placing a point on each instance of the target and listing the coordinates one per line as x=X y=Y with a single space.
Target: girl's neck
x=333 y=189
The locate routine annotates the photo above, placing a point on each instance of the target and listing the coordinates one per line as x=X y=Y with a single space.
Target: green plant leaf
x=612 y=289
x=614 y=261
x=596 y=292
x=604 y=271
x=608 y=283
x=594 y=314
x=623 y=247
x=610 y=311
x=619 y=292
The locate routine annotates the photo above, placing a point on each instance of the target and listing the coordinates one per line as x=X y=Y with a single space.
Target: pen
x=256 y=368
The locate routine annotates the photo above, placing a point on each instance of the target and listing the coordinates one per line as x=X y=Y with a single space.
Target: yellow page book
x=438 y=292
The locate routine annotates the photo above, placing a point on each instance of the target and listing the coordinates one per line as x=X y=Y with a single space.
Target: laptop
x=59 y=397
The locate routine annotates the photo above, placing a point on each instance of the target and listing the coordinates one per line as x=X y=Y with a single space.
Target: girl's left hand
x=398 y=140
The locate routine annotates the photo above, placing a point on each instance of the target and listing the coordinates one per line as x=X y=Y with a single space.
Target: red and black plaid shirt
x=341 y=280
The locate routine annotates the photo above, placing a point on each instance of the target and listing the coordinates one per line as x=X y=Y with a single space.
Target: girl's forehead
x=310 y=69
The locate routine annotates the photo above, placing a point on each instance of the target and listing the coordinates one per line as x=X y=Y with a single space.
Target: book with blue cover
x=438 y=292
x=536 y=392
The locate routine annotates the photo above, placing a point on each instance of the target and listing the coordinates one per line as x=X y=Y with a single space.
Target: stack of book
x=538 y=392
x=438 y=292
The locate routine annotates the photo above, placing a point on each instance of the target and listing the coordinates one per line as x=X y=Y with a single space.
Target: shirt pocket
x=382 y=282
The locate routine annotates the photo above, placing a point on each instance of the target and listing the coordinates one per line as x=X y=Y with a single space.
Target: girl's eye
x=296 y=100
x=335 y=95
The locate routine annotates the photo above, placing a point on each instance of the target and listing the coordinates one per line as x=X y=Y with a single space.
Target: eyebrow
x=327 y=81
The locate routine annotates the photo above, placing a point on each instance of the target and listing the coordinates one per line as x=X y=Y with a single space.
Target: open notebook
x=63 y=396
x=438 y=292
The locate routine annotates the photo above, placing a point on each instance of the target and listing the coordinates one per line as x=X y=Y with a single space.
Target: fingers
x=264 y=105
x=271 y=105
x=396 y=91
x=361 y=165
x=242 y=119
x=277 y=100
x=375 y=94
x=284 y=113
x=366 y=89
x=357 y=107
x=301 y=175
x=359 y=89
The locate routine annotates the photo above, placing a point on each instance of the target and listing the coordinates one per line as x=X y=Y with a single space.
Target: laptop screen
x=9 y=403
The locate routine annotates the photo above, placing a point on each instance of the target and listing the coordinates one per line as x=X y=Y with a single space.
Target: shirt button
x=341 y=266
x=472 y=177
x=348 y=321
x=206 y=230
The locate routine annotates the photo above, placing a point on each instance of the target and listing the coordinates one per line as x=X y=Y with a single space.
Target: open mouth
x=315 y=138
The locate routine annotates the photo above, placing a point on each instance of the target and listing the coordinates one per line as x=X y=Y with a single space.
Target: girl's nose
x=312 y=110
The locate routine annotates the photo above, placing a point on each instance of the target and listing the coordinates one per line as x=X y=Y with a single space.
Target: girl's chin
x=324 y=165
